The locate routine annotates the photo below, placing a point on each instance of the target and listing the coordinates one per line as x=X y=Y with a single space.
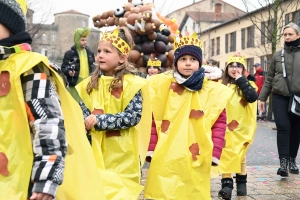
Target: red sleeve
x=218 y=135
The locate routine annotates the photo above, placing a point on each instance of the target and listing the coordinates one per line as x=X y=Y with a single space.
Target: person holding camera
x=78 y=61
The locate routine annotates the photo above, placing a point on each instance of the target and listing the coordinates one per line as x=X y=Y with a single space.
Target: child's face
x=187 y=65
x=152 y=70
x=235 y=70
x=4 y=32
x=108 y=58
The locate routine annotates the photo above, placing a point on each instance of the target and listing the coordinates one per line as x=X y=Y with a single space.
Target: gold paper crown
x=236 y=58
x=155 y=63
x=23 y=6
x=116 y=41
x=180 y=41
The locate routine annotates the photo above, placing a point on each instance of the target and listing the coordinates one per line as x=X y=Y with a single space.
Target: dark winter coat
x=275 y=82
x=71 y=58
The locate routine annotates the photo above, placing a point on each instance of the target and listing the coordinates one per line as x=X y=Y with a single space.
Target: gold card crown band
x=180 y=40
x=155 y=63
x=116 y=41
x=237 y=58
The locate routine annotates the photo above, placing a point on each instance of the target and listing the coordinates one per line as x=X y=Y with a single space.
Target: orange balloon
x=168 y=22
x=174 y=27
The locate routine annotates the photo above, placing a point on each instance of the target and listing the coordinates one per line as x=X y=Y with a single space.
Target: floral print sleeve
x=85 y=111
x=128 y=118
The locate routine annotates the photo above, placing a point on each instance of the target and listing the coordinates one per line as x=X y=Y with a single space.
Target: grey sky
x=94 y=7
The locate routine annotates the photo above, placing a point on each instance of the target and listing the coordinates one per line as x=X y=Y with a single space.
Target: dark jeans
x=288 y=127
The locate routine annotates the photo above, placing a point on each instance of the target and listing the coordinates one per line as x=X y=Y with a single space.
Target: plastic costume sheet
x=81 y=175
x=181 y=163
x=241 y=128
x=119 y=151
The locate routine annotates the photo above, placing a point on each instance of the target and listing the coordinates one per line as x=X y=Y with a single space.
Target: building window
x=212 y=53
x=83 y=23
x=287 y=18
x=53 y=38
x=296 y=17
x=270 y=30
x=250 y=63
x=262 y=32
x=44 y=37
x=194 y=25
x=44 y=52
x=53 y=52
x=243 y=32
x=250 y=36
x=226 y=43
x=218 y=46
x=233 y=41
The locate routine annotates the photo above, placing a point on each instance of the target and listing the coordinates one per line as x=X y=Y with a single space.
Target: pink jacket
x=218 y=137
x=154 y=137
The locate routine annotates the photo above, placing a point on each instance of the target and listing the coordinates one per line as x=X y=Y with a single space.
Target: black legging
x=288 y=127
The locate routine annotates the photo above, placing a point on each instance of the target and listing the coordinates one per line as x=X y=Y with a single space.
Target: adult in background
x=78 y=61
x=259 y=78
x=288 y=126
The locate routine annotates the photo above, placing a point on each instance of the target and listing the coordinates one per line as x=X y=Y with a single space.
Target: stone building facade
x=53 y=40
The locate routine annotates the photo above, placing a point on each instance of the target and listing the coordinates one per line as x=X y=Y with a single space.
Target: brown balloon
x=111 y=13
x=171 y=55
x=131 y=18
x=148 y=28
x=145 y=8
x=148 y=47
x=122 y=21
x=111 y=21
x=171 y=38
x=160 y=47
x=152 y=36
x=140 y=62
x=126 y=14
x=134 y=55
x=117 y=21
x=135 y=10
x=129 y=6
x=163 y=59
x=97 y=18
x=104 y=15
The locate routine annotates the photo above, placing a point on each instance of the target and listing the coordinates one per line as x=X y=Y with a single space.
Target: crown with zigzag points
x=116 y=41
x=154 y=63
x=236 y=58
x=180 y=40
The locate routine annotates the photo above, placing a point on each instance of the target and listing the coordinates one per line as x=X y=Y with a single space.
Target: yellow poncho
x=241 y=128
x=81 y=175
x=181 y=163
x=125 y=153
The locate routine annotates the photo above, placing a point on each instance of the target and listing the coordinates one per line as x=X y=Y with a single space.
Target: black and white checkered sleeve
x=47 y=125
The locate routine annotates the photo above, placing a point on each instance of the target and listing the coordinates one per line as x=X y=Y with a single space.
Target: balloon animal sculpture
x=153 y=33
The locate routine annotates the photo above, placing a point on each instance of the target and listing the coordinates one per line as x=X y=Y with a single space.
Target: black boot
x=241 y=185
x=283 y=171
x=292 y=166
x=227 y=186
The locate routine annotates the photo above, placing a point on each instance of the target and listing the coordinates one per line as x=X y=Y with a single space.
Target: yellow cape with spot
x=124 y=154
x=238 y=140
x=81 y=175
x=173 y=173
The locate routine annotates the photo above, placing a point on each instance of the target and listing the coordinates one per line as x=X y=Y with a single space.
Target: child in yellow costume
x=115 y=104
x=191 y=121
x=241 y=126
x=36 y=117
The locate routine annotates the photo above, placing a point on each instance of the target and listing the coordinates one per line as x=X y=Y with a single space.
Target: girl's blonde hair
x=119 y=71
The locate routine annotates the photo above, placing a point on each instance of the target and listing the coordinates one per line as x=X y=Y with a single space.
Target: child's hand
x=237 y=74
x=90 y=121
x=41 y=196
